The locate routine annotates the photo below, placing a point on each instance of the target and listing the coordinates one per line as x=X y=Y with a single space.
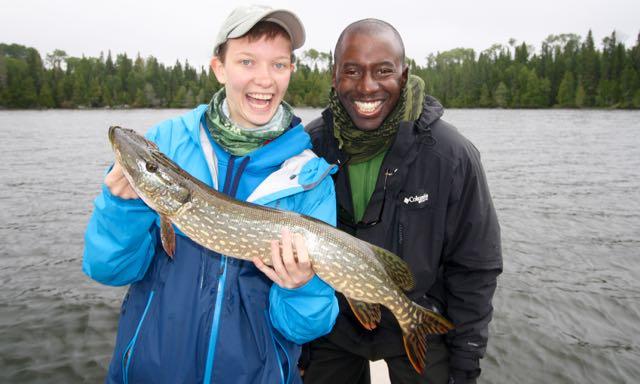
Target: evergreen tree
x=580 y=96
x=140 y=100
x=80 y=91
x=485 y=97
x=567 y=91
x=522 y=54
x=590 y=69
x=180 y=98
x=4 y=91
x=21 y=87
x=109 y=66
x=501 y=95
x=634 y=55
x=629 y=83
x=94 y=94
x=35 y=69
x=45 y=98
x=149 y=97
x=636 y=100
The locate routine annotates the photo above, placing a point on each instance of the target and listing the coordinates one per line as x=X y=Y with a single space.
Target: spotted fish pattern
x=367 y=275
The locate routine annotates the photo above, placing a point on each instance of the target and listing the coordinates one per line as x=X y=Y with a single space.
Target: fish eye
x=152 y=167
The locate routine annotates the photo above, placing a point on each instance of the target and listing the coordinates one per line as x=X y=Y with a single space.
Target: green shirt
x=363 y=177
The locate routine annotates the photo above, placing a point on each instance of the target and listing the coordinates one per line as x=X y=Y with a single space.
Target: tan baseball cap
x=243 y=18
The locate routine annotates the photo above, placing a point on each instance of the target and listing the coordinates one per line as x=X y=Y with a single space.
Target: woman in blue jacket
x=202 y=317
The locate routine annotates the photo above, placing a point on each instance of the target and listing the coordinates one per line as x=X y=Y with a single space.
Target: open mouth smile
x=259 y=100
x=368 y=108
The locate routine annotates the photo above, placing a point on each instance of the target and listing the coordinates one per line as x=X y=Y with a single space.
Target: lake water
x=566 y=185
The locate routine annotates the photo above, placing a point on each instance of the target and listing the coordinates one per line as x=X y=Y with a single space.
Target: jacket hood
x=432 y=111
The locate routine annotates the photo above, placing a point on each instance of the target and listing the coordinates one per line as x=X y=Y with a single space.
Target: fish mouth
x=112 y=133
x=121 y=138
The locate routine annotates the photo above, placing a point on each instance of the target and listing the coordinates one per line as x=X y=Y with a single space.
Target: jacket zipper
x=275 y=348
x=230 y=187
x=202 y=271
x=215 y=324
x=126 y=358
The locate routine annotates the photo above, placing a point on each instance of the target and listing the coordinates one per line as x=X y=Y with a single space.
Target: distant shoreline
x=569 y=71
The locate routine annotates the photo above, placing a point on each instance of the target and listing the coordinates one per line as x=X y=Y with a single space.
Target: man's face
x=255 y=76
x=368 y=77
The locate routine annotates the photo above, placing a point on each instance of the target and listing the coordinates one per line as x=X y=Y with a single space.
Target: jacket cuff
x=313 y=287
x=304 y=313
x=461 y=377
x=464 y=369
x=119 y=200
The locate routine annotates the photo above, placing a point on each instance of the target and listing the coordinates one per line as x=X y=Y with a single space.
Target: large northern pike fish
x=367 y=275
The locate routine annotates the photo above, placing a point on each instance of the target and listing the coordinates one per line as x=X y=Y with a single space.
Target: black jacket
x=432 y=207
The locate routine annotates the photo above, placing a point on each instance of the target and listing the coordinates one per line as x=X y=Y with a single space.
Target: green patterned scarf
x=362 y=146
x=237 y=140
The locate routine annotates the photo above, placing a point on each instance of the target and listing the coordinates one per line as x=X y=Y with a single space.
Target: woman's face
x=255 y=76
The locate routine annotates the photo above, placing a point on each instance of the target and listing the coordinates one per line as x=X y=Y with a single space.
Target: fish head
x=156 y=179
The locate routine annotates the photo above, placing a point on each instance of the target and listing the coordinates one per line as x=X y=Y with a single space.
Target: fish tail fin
x=422 y=322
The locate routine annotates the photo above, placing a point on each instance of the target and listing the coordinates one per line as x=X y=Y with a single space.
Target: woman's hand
x=118 y=184
x=288 y=272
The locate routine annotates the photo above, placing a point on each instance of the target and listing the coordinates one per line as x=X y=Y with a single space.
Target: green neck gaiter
x=362 y=146
x=415 y=98
x=240 y=141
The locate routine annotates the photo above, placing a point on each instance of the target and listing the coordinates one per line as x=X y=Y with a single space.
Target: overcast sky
x=171 y=30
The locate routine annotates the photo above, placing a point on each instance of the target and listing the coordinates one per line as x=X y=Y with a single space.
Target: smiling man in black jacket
x=411 y=183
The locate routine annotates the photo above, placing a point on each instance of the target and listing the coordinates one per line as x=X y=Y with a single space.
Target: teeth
x=367 y=106
x=261 y=96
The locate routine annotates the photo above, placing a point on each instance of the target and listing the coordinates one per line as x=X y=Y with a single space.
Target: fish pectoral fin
x=423 y=322
x=368 y=314
x=396 y=268
x=167 y=235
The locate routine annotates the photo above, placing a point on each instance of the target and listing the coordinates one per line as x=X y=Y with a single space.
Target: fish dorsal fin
x=368 y=314
x=396 y=268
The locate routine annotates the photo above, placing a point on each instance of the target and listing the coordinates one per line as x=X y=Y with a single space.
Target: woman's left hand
x=288 y=272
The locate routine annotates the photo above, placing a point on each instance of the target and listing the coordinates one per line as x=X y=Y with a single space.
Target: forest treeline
x=566 y=71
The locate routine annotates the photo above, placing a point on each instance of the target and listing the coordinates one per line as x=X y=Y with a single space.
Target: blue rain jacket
x=203 y=317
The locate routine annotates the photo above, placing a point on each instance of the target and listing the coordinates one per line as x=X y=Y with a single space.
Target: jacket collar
x=192 y=122
x=402 y=152
x=301 y=171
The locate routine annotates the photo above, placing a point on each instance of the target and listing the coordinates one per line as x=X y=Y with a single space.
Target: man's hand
x=288 y=272
x=118 y=184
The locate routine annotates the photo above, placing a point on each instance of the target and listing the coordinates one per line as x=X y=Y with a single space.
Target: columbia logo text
x=417 y=199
